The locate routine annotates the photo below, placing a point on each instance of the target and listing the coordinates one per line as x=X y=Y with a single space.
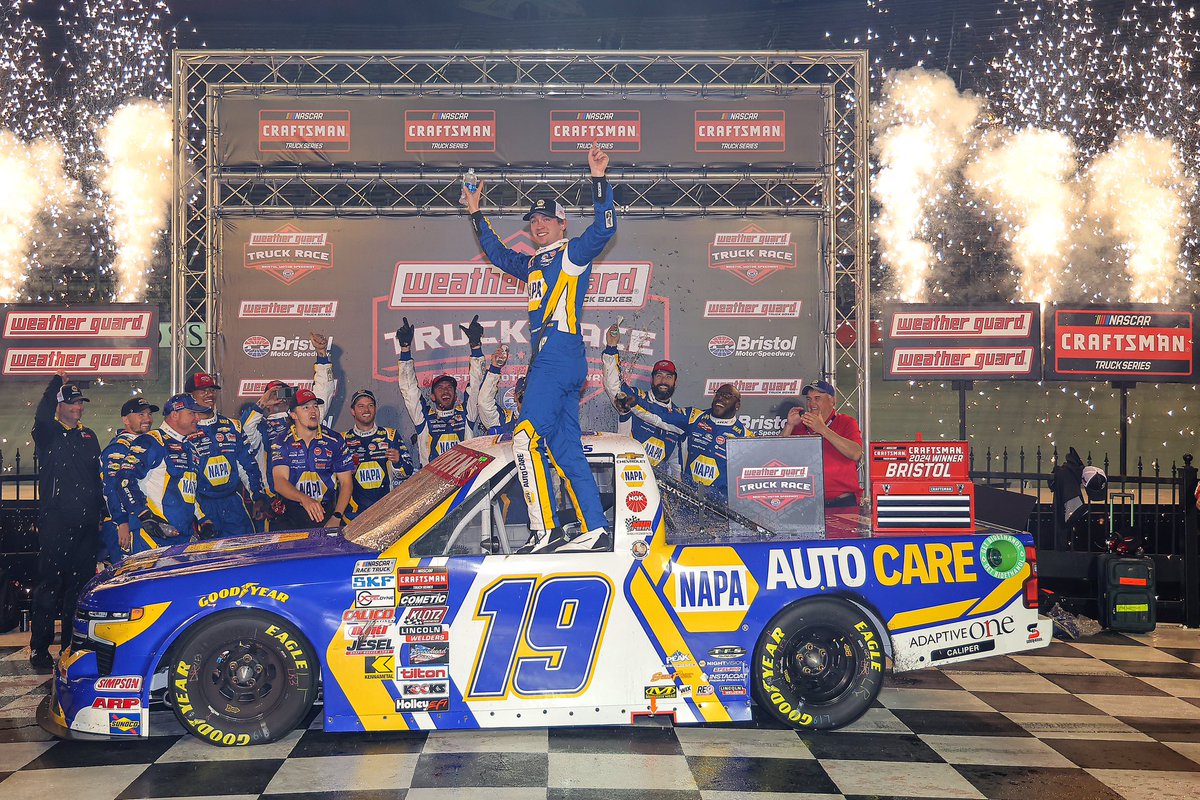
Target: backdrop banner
x=729 y=299
x=673 y=128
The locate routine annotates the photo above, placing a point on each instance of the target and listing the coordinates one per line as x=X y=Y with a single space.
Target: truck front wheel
x=818 y=664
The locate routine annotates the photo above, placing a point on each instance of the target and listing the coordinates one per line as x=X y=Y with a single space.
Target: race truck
x=425 y=613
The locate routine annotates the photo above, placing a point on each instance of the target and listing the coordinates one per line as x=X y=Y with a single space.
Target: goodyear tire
x=242 y=678
x=818 y=664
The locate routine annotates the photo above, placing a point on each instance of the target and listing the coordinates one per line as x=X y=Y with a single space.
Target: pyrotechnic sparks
x=923 y=125
x=137 y=146
x=1028 y=178
x=1139 y=191
x=32 y=183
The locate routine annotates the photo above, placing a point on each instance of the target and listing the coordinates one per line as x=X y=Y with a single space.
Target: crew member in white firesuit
x=158 y=480
x=547 y=437
x=498 y=418
x=705 y=433
x=381 y=459
x=312 y=469
x=445 y=422
x=662 y=443
x=116 y=540
x=225 y=464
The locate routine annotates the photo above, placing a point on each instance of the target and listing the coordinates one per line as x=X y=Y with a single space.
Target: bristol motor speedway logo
x=280 y=346
x=752 y=253
x=775 y=485
x=288 y=253
x=437 y=131
x=618 y=131
x=282 y=130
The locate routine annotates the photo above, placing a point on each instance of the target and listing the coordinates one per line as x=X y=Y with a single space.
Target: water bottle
x=470 y=181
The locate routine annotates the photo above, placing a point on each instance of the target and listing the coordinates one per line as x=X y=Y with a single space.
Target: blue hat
x=360 y=394
x=70 y=393
x=137 y=405
x=821 y=386
x=182 y=401
x=547 y=207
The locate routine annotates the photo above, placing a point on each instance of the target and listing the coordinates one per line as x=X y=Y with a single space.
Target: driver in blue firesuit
x=312 y=469
x=547 y=434
x=498 y=418
x=157 y=483
x=381 y=459
x=225 y=464
x=116 y=540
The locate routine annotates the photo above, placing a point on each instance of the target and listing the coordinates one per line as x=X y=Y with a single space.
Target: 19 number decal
x=542 y=635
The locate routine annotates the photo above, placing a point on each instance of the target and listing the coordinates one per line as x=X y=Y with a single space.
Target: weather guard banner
x=118 y=341
x=1121 y=343
x=729 y=299
x=506 y=130
x=927 y=342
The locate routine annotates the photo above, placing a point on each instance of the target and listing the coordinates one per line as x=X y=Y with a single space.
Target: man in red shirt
x=842 y=446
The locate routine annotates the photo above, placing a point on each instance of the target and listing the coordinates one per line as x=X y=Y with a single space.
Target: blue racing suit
x=259 y=428
x=547 y=433
x=312 y=469
x=111 y=460
x=438 y=430
x=225 y=467
x=664 y=444
x=498 y=418
x=374 y=475
x=704 y=465
x=159 y=474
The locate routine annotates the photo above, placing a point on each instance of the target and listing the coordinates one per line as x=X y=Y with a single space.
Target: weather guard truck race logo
x=617 y=131
x=441 y=130
x=774 y=485
x=281 y=131
x=288 y=254
x=752 y=253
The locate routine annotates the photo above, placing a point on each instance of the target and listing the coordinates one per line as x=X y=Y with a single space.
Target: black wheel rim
x=243 y=679
x=818 y=663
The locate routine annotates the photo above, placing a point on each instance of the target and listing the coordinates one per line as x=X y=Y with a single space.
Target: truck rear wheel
x=818 y=664
x=242 y=678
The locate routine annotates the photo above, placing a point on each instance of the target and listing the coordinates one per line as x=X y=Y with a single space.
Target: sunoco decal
x=721 y=131
x=281 y=131
x=438 y=131
x=775 y=485
x=616 y=131
x=752 y=253
x=288 y=253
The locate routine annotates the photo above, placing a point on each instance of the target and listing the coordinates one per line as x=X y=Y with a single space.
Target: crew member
x=662 y=443
x=498 y=418
x=137 y=415
x=225 y=464
x=445 y=422
x=705 y=433
x=157 y=483
x=70 y=504
x=841 y=447
x=557 y=277
x=271 y=412
x=312 y=469
x=381 y=459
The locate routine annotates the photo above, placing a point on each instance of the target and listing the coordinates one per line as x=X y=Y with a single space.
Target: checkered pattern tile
x=1111 y=716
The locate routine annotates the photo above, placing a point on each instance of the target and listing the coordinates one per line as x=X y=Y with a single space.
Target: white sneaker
x=596 y=539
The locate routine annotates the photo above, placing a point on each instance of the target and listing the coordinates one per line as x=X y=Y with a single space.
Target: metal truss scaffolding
x=206 y=190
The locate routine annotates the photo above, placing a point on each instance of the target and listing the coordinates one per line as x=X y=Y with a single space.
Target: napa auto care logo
x=774 y=485
x=756 y=387
x=288 y=254
x=618 y=131
x=440 y=131
x=67 y=324
x=282 y=130
x=752 y=254
x=288 y=309
x=730 y=131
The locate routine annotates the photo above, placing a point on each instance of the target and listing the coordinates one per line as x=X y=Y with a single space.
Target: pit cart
x=422 y=614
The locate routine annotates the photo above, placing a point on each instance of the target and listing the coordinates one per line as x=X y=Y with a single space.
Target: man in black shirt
x=71 y=502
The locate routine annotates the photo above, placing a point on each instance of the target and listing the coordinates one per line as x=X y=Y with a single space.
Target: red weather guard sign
x=775 y=485
x=618 y=131
x=725 y=131
x=118 y=341
x=1127 y=343
x=441 y=131
x=282 y=131
x=752 y=253
x=925 y=342
x=287 y=254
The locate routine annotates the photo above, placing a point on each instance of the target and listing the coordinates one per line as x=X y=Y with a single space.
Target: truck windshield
x=382 y=525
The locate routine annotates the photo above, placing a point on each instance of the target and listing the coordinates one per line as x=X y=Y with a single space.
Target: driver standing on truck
x=841 y=448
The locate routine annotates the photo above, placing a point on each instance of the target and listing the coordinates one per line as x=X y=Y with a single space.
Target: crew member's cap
x=547 y=208
x=441 y=378
x=821 y=386
x=306 y=396
x=70 y=393
x=200 y=380
x=274 y=384
x=665 y=366
x=136 y=405
x=360 y=394
x=181 y=401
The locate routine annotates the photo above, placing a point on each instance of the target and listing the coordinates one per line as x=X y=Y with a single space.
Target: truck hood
x=220 y=554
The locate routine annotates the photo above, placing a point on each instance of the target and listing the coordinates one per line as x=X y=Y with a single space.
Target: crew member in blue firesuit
x=663 y=444
x=547 y=434
x=381 y=459
x=498 y=418
x=705 y=432
x=445 y=422
x=225 y=464
x=312 y=468
x=158 y=481
x=116 y=540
